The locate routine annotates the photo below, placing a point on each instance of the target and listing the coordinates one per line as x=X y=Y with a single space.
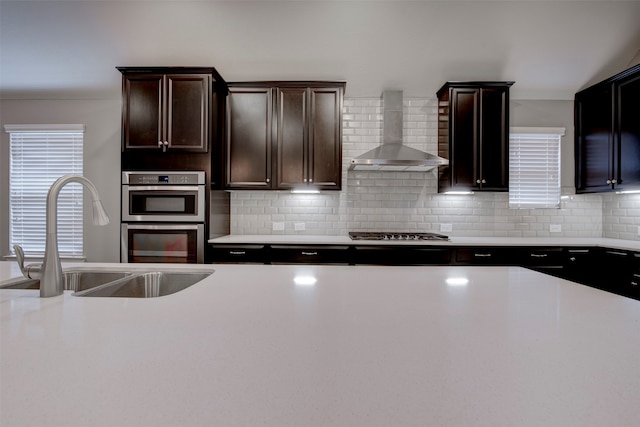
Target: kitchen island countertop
x=300 y=345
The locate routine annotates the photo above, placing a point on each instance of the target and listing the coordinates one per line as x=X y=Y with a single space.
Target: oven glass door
x=163 y=203
x=172 y=243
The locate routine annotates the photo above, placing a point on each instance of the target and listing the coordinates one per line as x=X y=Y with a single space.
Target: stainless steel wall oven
x=163 y=216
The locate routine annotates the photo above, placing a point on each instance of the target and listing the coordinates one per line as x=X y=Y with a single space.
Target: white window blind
x=534 y=168
x=40 y=154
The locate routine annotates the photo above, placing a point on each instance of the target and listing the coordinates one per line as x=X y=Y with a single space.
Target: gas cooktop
x=395 y=235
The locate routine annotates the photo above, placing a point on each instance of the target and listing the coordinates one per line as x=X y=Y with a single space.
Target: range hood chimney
x=392 y=155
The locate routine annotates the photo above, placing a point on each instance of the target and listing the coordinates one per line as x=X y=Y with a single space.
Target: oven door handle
x=158 y=188
x=133 y=226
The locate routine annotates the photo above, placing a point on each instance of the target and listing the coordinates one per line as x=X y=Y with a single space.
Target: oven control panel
x=163 y=178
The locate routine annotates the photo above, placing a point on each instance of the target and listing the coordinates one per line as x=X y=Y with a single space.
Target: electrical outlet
x=446 y=227
x=299 y=226
x=555 y=228
x=278 y=226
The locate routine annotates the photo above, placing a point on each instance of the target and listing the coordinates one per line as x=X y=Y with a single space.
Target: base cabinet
x=579 y=265
x=487 y=256
x=611 y=270
x=239 y=254
x=402 y=255
x=320 y=254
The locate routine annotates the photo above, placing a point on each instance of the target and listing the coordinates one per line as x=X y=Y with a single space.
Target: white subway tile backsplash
x=398 y=201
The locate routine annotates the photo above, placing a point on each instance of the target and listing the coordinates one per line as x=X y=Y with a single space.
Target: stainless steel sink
x=74 y=280
x=146 y=285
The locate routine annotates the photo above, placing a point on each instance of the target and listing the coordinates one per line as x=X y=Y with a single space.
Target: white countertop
x=364 y=346
x=454 y=241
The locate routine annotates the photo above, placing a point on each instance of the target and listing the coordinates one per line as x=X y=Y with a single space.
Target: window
x=534 y=168
x=40 y=154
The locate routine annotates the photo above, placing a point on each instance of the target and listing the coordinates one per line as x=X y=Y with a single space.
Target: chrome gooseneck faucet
x=51 y=281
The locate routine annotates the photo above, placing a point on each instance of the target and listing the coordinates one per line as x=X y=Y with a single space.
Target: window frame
x=548 y=193
x=31 y=234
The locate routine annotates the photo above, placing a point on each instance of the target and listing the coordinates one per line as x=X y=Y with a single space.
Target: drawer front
x=547 y=257
x=488 y=256
x=321 y=254
x=389 y=255
x=255 y=254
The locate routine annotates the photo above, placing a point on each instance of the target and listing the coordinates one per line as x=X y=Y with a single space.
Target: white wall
x=550 y=48
x=101 y=162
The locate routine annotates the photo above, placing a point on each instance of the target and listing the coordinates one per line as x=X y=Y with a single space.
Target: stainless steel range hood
x=392 y=155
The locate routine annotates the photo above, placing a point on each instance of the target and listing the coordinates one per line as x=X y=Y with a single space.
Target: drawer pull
x=482 y=255
x=634 y=284
x=616 y=253
x=237 y=252
x=538 y=255
x=309 y=253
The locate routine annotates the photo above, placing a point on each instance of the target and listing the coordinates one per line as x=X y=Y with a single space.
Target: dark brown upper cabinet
x=167 y=108
x=607 y=134
x=284 y=135
x=248 y=137
x=473 y=133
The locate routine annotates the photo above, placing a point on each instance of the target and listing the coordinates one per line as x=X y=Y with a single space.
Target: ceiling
x=69 y=49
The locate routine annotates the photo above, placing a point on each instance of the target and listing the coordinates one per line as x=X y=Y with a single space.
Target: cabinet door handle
x=268 y=180
x=484 y=181
x=237 y=252
x=309 y=253
x=481 y=181
x=477 y=181
x=614 y=181
x=538 y=255
x=477 y=255
x=616 y=253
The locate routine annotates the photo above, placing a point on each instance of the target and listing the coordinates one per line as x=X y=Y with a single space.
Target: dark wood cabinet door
x=494 y=139
x=284 y=135
x=464 y=138
x=594 y=139
x=628 y=133
x=142 y=111
x=188 y=99
x=292 y=139
x=248 y=138
x=325 y=129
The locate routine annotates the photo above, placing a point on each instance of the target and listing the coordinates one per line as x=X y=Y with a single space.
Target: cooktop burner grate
x=394 y=235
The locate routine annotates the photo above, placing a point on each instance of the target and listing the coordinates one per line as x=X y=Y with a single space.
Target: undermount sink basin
x=74 y=280
x=146 y=285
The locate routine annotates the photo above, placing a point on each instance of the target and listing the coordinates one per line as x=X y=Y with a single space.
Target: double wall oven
x=163 y=216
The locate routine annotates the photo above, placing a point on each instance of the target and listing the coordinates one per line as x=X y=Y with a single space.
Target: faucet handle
x=31 y=271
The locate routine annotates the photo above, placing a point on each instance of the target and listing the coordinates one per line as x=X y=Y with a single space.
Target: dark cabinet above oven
x=166 y=109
